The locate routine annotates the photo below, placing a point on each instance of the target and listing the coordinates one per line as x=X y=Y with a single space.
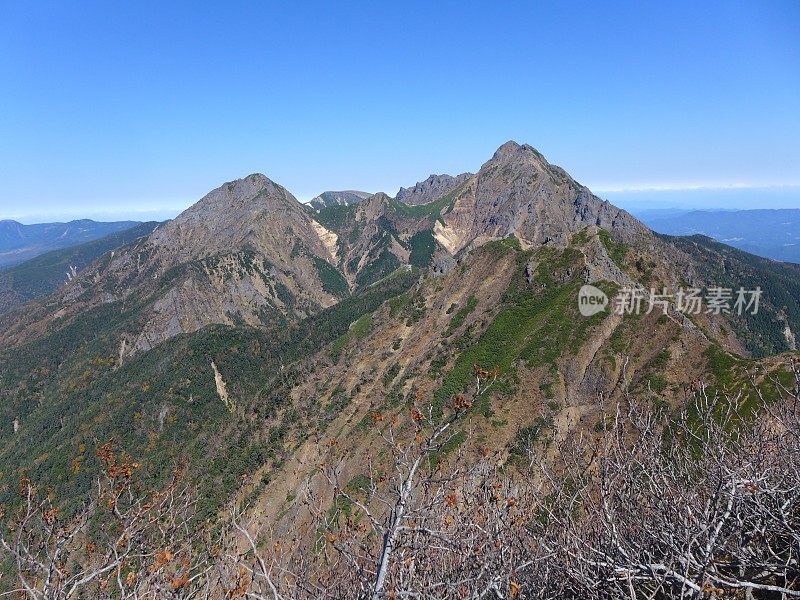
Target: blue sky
x=111 y=108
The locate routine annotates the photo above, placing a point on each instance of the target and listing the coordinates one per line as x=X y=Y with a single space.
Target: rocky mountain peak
x=374 y=206
x=249 y=195
x=378 y=197
x=242 y=191
x=518 y=192
x=523 y=157
x=430 y=190
x=255 y=340
x=509 y=148
x=248 y=248
x=228 y=216
x=247 y=252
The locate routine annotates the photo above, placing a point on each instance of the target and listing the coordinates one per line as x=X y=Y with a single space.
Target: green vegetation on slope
x=422 y=246
x=383 y=265
x=432 y=210
x=162 y=406
x=724 y=266
x=535 y=325
x=616 y=251
x=462 y=314
x=732 y=376
x=333 y=281
x=358 y=331
x=335 y=217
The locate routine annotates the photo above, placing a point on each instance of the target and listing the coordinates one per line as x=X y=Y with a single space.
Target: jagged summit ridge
x=513 y=147
x=430 y=190
x=267 y=347
x=518 y=192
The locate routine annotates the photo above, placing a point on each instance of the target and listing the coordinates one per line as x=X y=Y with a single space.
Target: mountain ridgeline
x=19 y=242
x=247 y=333
x=42 y=275
x=772 y=233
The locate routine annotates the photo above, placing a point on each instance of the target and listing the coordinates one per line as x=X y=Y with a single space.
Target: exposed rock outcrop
x=430 y=190
x=517 y=192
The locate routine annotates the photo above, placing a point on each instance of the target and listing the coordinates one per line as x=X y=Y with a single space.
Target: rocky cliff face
x=253 y=212
x=517 y=192
x=430 y=190
x=248 y=251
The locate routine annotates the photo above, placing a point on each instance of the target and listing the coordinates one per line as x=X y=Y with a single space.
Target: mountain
x=344 y=198
x=433 y=188
x=248 y=252
x=772 y=233
x=519 y=193
x=255 y=339
x=42 y=275
x=19 y=242
x=515 y=194
x=774 y=327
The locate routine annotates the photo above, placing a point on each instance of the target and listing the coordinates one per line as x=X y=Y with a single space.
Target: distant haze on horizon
x=705 y=198
x=136 y=111
x=631 y=200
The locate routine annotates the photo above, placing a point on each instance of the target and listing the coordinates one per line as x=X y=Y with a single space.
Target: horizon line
x=692 y=187
x=130 y=213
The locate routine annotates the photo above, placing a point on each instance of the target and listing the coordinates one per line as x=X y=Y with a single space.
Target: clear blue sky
x=114 y=107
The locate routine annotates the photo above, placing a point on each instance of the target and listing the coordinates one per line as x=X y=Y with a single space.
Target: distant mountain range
x=343 y=198
x=772 y=233
x=19 y=242
x=45 y=273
